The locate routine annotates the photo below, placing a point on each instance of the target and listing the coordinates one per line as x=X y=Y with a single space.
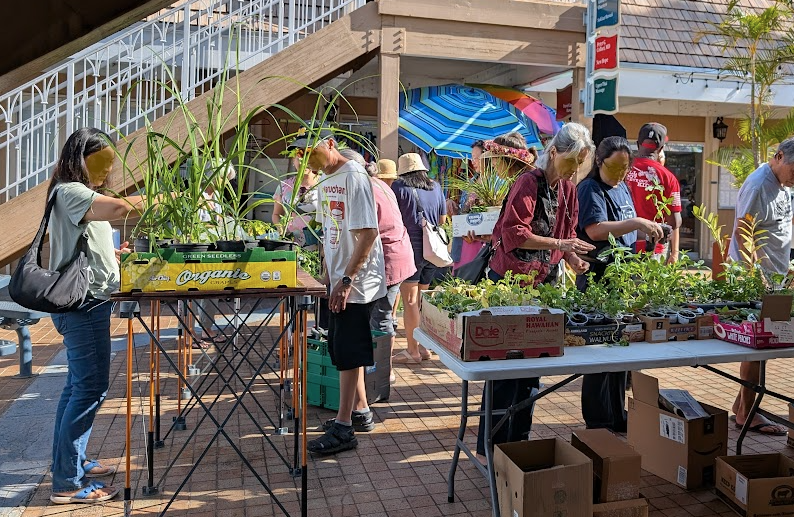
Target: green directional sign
x=604 y=93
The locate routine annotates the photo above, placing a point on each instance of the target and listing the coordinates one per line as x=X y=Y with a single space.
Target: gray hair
x=786 y=147
x=571 y=140
x=350 y=154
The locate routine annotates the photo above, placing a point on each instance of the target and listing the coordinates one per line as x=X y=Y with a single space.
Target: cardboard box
x=790 y=437
x=632 y=508
x=543 y=478
x=616 y=466
x=481 y=223
x=496 y=333
x=604 y=334
x=660 y=329
x=757 y=485
x=774 y=330
x=169 y=270
x=677 y=450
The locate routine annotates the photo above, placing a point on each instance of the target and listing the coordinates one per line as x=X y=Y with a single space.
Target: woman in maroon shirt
x=535 y=231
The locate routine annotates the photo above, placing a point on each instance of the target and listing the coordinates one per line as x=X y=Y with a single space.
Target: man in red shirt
x=645 y=172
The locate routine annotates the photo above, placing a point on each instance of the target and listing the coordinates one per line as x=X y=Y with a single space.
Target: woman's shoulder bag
x=40 y=289
x=435 y=242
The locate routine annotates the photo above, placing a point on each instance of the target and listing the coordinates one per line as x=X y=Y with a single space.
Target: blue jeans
x=86 y=335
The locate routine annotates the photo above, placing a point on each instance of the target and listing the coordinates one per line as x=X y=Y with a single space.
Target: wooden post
x=708 y=190
x=389 y=99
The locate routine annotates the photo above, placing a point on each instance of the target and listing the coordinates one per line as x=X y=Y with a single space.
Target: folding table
x=243 y=359
x=578 y=361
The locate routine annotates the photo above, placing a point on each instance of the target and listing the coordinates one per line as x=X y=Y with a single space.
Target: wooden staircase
x=337 y=48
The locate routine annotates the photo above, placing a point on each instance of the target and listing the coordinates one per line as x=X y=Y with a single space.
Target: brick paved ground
x=398 y=470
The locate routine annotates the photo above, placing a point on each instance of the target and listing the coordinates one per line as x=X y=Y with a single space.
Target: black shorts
x=350 y=338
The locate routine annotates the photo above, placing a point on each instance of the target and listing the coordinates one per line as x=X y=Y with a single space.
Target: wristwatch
x=346 y=280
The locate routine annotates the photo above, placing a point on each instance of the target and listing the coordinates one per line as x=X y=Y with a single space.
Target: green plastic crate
x=322 y=386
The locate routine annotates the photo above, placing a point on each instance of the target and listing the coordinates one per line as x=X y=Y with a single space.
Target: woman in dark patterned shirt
x=535 y=231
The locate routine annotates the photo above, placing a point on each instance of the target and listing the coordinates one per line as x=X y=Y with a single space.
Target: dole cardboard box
x=630 y=508
x=169 y=270
x=543 y=478
x=616 y=466
x=675 y=449
x=757 y=485
x=481 y=223
x=775 y=330
x=497 y=332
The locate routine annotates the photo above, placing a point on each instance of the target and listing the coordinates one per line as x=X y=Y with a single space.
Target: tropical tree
x=757 y=44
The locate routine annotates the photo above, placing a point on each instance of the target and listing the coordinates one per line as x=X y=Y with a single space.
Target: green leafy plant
x=660 y=201
x=711 y=221
x=488 y=188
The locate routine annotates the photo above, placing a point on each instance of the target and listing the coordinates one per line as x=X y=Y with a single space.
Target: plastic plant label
x=672 y=428
x=741 y=488
x=681 y=478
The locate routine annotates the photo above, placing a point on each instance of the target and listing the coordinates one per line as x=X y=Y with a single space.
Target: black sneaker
x=362 y=423
x=337 y=438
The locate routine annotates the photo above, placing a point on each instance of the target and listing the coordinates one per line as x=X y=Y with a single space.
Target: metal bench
x=15 y=317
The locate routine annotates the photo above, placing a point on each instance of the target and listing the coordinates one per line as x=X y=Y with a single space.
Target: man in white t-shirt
x=765 y=196
x=355 y=267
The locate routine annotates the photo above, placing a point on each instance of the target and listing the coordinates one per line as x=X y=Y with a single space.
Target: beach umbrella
x=542 y=115
x=448 y=119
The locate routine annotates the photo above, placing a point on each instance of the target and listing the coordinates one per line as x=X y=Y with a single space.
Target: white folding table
x=578 y=361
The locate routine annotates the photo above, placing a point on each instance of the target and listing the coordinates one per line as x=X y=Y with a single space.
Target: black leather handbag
x=474 y=271
x=40 y=289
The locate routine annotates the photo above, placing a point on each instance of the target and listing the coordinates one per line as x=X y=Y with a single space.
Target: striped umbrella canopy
x=542 y=115
x=448 y=119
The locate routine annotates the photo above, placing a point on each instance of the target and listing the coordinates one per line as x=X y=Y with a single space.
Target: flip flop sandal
x=82 y=495
x=202 y=345
x=403 y=357
x=757 y=429
x=94 y=464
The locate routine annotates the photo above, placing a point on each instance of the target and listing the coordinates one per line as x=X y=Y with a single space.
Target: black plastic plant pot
x=271 y=245
x=230 y=245
x=141 y=244
x=189 y=247
x=249 y=245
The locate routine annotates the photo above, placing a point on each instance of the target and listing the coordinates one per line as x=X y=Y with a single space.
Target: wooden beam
x=508 y=13
x=389 y=105
x=45 y=32
x=313 y=60
x=490 y=43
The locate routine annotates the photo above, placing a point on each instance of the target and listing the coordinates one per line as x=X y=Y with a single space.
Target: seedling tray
x=169 y=270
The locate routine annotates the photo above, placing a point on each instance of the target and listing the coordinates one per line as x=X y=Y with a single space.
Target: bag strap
x=419 y=208
x=38 y=240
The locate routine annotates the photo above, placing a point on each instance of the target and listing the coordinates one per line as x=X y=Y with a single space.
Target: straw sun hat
x=387 y=169
x=410 y=162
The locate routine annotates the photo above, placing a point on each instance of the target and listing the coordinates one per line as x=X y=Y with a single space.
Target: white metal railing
x=115 y=83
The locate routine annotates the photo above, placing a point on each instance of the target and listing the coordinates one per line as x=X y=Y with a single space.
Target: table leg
x=760 y=391
x=128 y=434
x=150 y=489
x=25 y=353
x=302 y=428
x=488 y=396
x=158 y=442
x=464 y=417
